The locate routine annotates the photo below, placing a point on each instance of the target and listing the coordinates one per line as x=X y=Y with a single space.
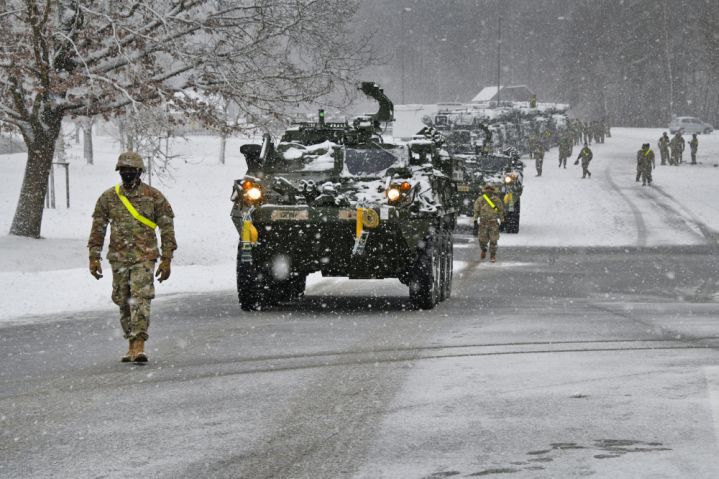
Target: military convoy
x=478 y=163
x=334 y=197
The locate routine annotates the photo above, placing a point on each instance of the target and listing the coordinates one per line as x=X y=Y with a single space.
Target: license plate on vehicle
x=347 y=214
x=463 y=188
x=290 y=215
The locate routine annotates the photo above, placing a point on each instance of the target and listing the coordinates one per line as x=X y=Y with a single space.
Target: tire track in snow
x=671 y=215
x=711 y=237
x=711 y=374
x=638 y=219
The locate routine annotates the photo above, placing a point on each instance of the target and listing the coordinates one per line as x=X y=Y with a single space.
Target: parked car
x=689 y=125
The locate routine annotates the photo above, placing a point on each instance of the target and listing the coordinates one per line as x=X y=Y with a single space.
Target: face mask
x=130 y=178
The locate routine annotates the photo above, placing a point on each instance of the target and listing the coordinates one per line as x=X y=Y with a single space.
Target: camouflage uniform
x=565 y=146
x=664 y=148
x=645 y=164
x=694 y=146
x=133 y=250
x=532 y=144
x=488 y=216
x=586 y=156
x=677 y=146
x=539 y=158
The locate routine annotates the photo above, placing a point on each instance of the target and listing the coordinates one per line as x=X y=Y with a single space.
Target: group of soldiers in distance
x=671 y=151
x=576 y=133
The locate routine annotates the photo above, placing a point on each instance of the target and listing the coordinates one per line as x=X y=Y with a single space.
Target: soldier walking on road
x=664 y=148
x=565 y=146
x=488 y=209
x=539 y=157
x=586 y=156
x=693 y=147
x=134 y=210
x=645 y=164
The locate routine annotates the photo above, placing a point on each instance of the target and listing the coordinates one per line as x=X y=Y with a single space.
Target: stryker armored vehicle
x=334 y=197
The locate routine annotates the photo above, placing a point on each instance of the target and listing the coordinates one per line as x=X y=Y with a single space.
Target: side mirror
x=252 y=155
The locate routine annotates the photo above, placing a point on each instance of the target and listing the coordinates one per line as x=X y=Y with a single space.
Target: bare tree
x=88 y=152
x=63 y=58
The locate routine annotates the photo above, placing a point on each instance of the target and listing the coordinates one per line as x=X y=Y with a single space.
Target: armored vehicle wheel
x=426 y=276
x=512 y=225
x=250 y=285
x=446 y=284
x=249 y=288
x=291 y=289
x=450 y=267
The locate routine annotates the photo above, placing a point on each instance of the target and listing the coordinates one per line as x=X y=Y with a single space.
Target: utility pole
x=404 y=46
x=499 y=56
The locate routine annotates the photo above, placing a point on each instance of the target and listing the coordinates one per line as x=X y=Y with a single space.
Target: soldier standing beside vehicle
x=133 y=210
x=488 y=209
x=645 y=164
x=664 y=147
x=586 y=156
x=677 y=145
x=693 y=147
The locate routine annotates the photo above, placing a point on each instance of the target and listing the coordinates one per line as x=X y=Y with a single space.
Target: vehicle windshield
x=295 y=157
x=492 y=163
x=373 y=162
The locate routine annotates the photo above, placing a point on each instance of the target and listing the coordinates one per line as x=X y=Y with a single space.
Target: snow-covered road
x=554 y=362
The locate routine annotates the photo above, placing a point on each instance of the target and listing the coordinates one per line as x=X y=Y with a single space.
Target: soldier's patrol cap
x=130 y=159
x=488 y=187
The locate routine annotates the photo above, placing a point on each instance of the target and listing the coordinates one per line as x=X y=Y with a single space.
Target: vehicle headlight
x=253 y=193
x=399 y=192
x=393 y=194
x=508 y=179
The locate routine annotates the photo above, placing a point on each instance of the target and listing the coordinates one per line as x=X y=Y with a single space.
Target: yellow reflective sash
x=489 y=202
x=132 y=210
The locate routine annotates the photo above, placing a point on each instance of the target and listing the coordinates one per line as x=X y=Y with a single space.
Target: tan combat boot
x=482 y=255
x=493 y=258
x=130 y=352
x=139 y=354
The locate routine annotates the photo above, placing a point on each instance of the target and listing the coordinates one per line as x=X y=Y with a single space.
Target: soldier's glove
x=163 y=271
x=95 y=268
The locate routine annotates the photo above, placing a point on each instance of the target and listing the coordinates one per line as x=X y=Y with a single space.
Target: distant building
x=506 y=93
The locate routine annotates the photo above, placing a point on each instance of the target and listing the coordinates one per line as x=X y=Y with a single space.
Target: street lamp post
x=499 y=56
x=404 y=47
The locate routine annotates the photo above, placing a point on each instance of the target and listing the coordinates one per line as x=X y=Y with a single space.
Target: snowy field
x=50 y=276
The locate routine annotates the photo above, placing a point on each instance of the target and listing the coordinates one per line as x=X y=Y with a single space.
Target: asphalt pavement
x=551 y=363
